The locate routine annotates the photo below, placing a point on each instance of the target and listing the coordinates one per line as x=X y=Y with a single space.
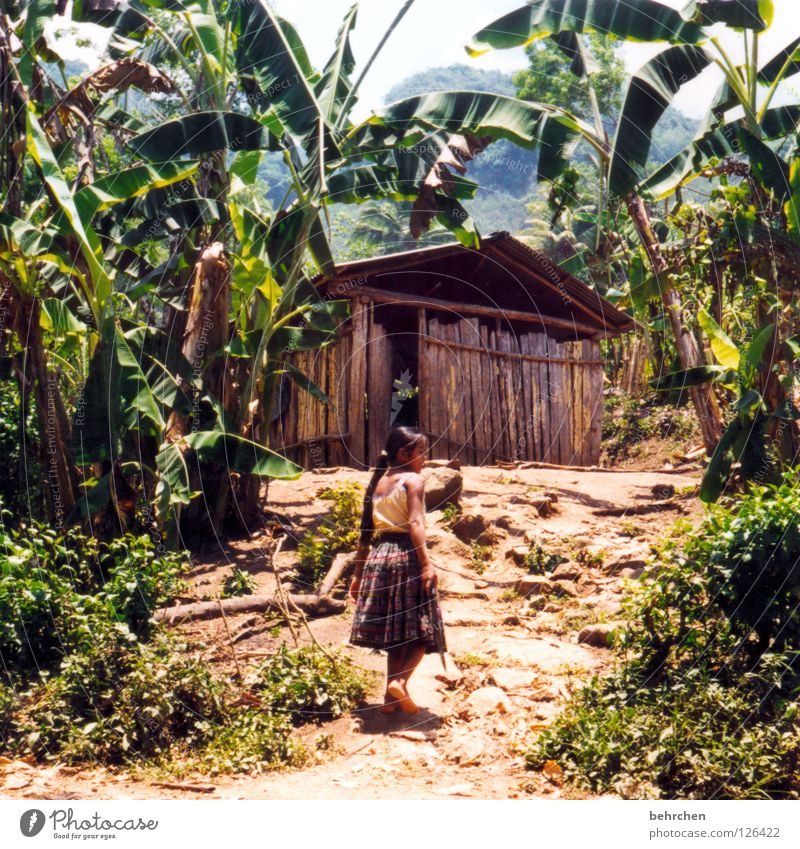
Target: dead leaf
x=553 y=772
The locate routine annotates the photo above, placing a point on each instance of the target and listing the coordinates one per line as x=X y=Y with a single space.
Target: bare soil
x=512 y=660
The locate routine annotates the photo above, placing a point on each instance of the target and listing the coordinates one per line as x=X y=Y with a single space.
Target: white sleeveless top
x=390 y=511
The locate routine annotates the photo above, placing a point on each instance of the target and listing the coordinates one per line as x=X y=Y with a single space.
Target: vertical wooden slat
x=472 y=389
x=490 y=388
x=528 y=411
x=358 y=382
x=479 y=398
x=507 y=369
x=546 y=390
x=379 y=386
x=596 y=405
x=423 y=379
x=463 y=334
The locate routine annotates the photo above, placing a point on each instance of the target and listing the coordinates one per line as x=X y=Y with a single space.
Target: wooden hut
x=493 y=352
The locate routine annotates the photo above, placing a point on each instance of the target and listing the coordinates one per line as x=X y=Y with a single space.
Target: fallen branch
x=531 y=464
x=638 y=509
x=341 y=563
x=313 y=605
x=183 y=785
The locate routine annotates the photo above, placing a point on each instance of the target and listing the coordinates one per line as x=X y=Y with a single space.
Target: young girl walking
x=394 y=584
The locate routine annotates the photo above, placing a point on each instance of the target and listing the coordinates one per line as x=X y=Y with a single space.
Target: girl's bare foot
x=389 y=703
x=398 y=691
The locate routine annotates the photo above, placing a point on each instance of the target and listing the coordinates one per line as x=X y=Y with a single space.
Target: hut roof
x=502 y=275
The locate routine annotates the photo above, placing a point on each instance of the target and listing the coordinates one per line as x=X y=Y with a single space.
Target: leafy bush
x=57 y=589
x=539 y=561
x=752 y=554
x=238 y=583
x=479 y=556
x=305 y=686
x=697 y=708
x=338 y=532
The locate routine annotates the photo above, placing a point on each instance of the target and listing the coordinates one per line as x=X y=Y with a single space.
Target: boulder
x=539 y=585
x=513 y=679
x=488 y=700
x=517 y=553
x=566 y=572
x=470 y=526
x=442 y=486
x=598 y=635
x=662 y=491
x=491 y=536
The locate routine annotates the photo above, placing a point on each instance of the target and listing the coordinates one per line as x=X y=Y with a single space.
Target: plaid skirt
x=393 y=608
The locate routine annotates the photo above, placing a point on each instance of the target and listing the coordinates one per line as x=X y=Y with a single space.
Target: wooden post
x=358 y=382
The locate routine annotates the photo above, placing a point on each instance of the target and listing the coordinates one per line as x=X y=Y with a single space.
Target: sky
x=433 y=33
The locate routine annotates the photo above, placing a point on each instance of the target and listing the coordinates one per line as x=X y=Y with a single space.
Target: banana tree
x=622 y=162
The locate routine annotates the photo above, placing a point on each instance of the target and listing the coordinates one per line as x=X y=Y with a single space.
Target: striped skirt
x=393 y=608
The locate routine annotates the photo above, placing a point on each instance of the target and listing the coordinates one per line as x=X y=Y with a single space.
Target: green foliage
x=338 y=532
x=479 y=557
x=450 y=512
x=20 y=471
x=238 y=583
x=540 y=561
x=589 y=559
x=57 y=589
x=698 y=707
x=752 y=554
x=305 y=685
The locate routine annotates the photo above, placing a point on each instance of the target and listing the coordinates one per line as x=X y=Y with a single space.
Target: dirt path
x=512 y=659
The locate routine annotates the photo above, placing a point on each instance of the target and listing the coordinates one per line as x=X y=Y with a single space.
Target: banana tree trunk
x=61 y=473
x=705 y=404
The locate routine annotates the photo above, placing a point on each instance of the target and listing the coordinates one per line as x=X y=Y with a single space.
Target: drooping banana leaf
x=88 y=242
x=203 y=132
x=635 y=20
x=132 y=182
x=786 y=61
x=723 y=348
x=303 y=381
x=241 y=455
x=754 y=15
x=771 y=171
x=649 y=94
x=37 y=13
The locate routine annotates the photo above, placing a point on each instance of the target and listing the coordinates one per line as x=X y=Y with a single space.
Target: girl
x=394 y=585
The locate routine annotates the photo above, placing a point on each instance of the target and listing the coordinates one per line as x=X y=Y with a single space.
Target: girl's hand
x=355 y=587
x=429 y=577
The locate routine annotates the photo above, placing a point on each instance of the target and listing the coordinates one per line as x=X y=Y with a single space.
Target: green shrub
x=338 y=532
x=305 y=686
x=697 y=708
x=539 y=561
x=479 y=556
x=238 y=583
x=56 y=588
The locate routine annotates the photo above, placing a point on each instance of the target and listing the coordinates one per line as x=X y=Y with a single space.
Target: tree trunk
x=57 y=465
x=705 y=404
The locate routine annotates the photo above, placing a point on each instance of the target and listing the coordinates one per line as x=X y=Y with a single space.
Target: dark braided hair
x=399 y=438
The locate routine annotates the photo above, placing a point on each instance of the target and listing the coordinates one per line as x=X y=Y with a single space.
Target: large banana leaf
x=203 y=132
x=723 y=348
x=754 y=15
x=718 y=143
x=635 y=20
x=649 y=94
x=265 y=52
x=130 y=183
x=88 y=242
x=786 y=61
x=241 y=455
x=496 y=116
x=771 y=171
x=335 y=84
x=37 y=13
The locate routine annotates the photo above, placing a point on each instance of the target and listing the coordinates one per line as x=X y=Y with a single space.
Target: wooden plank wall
x=379 y=384
x=487 y=393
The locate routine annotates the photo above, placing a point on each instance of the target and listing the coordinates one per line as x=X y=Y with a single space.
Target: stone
x=626 y=562
x=599 y=635
x=566 y=572
x=470 y=526
x=543 y=506
x=517 y=553
x=513 y=679
x=551 y=494
x=534 y=585
x=537 y=603
x=488 y=700
x=492 y=536
x=505 y=522
x=442 y=486
x=663 y=491
x=566 y=588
